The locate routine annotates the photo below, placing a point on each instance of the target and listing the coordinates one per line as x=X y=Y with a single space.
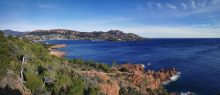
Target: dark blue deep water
x=198 y=60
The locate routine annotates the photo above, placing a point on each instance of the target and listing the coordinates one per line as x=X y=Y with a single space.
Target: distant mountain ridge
x=13 y=33
x=64 y=34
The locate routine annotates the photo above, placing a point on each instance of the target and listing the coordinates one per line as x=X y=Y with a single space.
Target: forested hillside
x=28 y=68
x=42 y=72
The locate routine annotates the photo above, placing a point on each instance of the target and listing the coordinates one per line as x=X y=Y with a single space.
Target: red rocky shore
x=126 y=77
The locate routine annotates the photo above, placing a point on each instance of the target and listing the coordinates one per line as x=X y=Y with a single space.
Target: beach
x=53 y=50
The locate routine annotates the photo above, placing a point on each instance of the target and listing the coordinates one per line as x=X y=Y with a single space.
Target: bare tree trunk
x=22 y=69
x=21 y=73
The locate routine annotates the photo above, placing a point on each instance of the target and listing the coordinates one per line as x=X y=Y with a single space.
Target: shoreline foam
x=173 y=78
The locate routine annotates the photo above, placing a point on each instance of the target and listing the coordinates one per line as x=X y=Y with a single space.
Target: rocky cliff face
x=138 y=78
x=107 y=84
x=12 y=85
x=62 y=34
x=131 y=77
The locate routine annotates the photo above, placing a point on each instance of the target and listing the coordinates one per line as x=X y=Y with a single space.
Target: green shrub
x=33 y=82
x=124 y=70
x=68 y=86
x=104 y=67
x=100 y=66
x=76 y=87
x=130 y=91
x=2 y=73
x=41 y=70
x=76 y=61
x=92 y=91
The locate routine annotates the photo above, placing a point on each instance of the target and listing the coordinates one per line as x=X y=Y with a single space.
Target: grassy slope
x=65 y=79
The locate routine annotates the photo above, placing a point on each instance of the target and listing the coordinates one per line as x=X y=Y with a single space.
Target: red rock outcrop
x=108 y=86
x=132 y=67
x=132 y=76
x=101 y=75
x=137 y=77
x=111 y=88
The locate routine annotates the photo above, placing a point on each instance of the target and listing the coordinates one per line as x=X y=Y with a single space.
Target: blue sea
x=198 y=60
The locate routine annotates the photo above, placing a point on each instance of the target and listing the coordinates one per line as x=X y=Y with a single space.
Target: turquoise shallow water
x=198 y=60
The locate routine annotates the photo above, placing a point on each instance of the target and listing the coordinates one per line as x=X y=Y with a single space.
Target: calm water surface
x=198 y=60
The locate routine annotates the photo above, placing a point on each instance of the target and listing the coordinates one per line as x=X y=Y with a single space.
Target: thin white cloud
x=193 y=4
x=184 y=5
x=171 y=6
x=215 y=2
x=204 y=8
x=202 y=25
x=174 y=32
x=158 y=5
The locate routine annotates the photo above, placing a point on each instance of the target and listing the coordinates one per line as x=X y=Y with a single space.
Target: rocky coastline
x=126 y=76
x=118 y=82
x=134 y=77
x=34 y=71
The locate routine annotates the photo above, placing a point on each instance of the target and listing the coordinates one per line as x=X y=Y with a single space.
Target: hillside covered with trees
x=63 y=34
x=27 y=68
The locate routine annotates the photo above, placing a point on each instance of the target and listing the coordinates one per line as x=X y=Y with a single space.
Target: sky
x=147 y=18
